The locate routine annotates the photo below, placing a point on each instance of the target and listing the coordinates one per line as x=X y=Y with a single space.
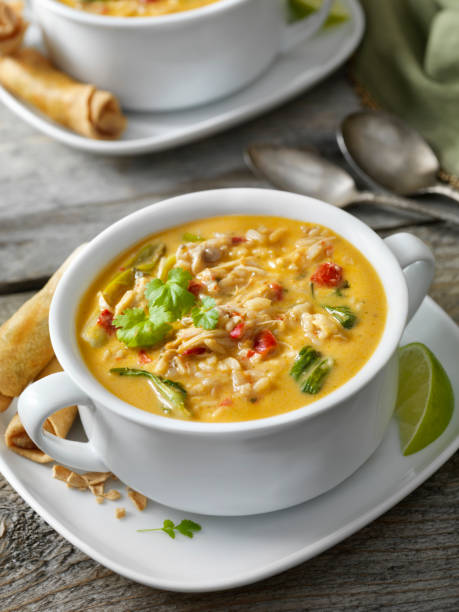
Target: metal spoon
x=303 y=171
x=386 y=151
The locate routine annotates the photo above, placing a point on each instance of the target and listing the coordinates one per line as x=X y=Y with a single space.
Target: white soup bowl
x=173 y=61
x=228 y=468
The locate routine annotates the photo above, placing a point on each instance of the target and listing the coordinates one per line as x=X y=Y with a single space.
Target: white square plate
x=289 y=75
x=231 y=552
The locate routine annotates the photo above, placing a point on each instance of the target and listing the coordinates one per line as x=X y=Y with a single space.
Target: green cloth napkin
x=409 y=63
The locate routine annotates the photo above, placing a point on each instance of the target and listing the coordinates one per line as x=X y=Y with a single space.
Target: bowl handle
x=418 y=265
x=297 y=32
x=38 y=402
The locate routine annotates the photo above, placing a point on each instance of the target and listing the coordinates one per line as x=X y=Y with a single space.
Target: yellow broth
x=257 y=255
x=137 y=8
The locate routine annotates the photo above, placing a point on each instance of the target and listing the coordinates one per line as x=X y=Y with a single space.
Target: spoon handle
x=404 y=204
x=444 y=190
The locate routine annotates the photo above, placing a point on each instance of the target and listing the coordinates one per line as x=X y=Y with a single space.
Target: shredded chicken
x=249 y=277
x=248 y=304
x=319 y=327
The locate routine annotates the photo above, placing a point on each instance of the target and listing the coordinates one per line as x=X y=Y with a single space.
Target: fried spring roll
x=12 y=27
x=25 y=345
x=91 y=112
x=59 y=424
x=4 y=402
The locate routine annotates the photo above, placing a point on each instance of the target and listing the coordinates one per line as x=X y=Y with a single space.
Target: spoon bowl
x=305 y=171
x=301 y=171
x=386 y=152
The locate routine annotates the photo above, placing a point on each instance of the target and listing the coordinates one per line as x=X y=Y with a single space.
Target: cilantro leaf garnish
x=167 y=302
x=179 y=276
x=136 y=329
x=186 y=528
x=159 y=315
x=206 y=314
x=173 y=295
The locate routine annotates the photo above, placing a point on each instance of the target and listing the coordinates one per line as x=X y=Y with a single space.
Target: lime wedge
x=425 y=399
x=303 y=8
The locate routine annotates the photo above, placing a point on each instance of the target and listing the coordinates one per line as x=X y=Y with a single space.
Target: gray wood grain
x=53 y=198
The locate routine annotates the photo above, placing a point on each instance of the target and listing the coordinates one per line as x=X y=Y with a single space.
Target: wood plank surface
x=54 y=198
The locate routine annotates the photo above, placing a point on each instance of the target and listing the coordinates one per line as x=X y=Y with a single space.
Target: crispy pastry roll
x=59 y=424
x=81 y=107
x=25 y=345
x=12 y=27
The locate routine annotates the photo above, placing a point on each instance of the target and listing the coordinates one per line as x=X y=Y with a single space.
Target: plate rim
x=151 y=144
x=272 y=568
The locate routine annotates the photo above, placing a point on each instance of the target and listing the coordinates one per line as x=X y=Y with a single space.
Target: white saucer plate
x=231 y=552
x=290 y=75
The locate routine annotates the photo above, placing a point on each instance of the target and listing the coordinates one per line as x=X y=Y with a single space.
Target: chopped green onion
x=148 y=257
x=310 y=370
x=305 y=358
x=342 y=314
x=144 y=260
x=165 y=265
x=92 y=333
x=188 y=237
x=171 y=394
x=314 y=382
x=339 y=290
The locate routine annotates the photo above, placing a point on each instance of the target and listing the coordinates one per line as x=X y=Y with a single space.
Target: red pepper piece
x=264 y=342
x=105 y=320
x=277 y=291
x=250 y=353
x=237 y=331
x=238 y=239
x=144 y=357
x=328 y=274
x=226 y=402
x=197 y=350
x=195 y=288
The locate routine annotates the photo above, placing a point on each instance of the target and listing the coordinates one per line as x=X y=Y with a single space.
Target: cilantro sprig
x=173 y=295
x=167 y=302
x=206 y=314
x=185 y=527
x=136 y=328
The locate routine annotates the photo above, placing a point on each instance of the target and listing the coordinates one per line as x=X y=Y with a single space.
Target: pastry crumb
x=76 y=481
x=61 y=473
x=139 y=500
x=95 y=478
x=112 y=495
x=120 y=513
x=97 y=490
x=95 y=482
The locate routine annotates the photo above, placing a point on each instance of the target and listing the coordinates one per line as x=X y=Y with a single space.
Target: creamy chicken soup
x=232 y=318
x=136 y=8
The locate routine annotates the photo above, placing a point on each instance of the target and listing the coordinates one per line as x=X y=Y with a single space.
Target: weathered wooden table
x=53 y=198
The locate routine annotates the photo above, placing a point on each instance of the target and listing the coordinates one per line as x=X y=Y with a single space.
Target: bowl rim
x=112 y=21
x=63 y=307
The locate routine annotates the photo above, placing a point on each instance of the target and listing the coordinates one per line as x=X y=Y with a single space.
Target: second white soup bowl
x=228 y=468
x=172 y=61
